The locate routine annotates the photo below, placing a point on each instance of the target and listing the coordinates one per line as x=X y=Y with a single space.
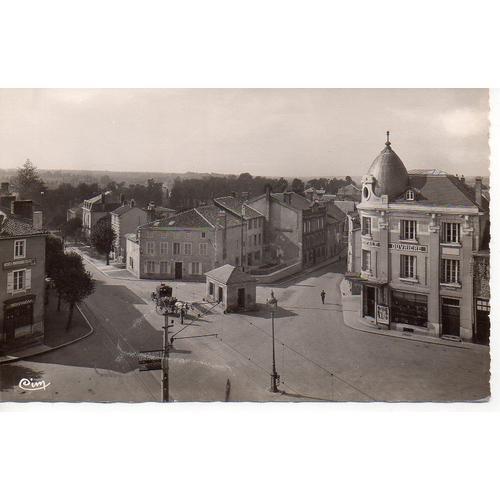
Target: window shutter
x=28 y=278
x=10 y=282
x=401 y=229
x=190 y=268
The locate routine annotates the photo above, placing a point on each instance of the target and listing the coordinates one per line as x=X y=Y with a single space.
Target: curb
x=13 y=359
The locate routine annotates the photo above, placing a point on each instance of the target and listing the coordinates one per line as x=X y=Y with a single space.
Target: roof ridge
x=203 y=217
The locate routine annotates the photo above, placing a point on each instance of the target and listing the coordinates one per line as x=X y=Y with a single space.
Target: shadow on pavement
x=121 y=332
x=264 y=311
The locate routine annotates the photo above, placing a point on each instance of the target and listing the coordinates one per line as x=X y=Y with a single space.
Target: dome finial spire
x=388 y=142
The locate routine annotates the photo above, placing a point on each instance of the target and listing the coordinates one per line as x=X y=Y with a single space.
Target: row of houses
x=255 y=235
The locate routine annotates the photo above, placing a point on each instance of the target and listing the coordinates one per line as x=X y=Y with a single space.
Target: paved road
x=318 y=357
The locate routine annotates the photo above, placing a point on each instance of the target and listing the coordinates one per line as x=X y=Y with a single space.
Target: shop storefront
x=17 y=320
x=409 y=308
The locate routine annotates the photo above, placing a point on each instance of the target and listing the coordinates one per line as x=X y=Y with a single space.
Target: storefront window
x=409 y=308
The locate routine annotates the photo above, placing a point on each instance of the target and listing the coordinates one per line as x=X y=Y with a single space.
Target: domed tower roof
x=391 y=177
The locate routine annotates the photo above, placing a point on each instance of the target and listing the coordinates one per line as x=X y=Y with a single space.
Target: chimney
x=150 y=211
x=221 y=218
x=22 y=208
x=6 y=201
x=37 y=219
x=4 y=188
x=268 y=191
x=478 y=191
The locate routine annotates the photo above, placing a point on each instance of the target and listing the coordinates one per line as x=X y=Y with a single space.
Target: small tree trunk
x=70 y=316
x=59 y=302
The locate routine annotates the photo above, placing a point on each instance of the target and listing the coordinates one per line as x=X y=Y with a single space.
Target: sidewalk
x=351 y=306
x=56 y=335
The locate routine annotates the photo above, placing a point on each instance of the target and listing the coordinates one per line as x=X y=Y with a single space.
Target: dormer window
x=410 y=195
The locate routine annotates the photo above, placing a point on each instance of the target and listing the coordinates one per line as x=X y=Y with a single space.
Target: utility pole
x=164 y=361
x=274 y=376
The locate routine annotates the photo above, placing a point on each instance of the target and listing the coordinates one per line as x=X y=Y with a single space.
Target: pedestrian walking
x=182 y=315
x=323 y=295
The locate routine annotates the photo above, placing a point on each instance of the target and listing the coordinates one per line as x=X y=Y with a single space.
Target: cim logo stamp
x=29 y=384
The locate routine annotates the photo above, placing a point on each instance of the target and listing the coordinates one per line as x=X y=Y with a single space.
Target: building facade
x=295 y=229
x=418 y=236
x=96 y=208
x=251 y=243
x=186 y=245
x=125 y=220
x=22 y=280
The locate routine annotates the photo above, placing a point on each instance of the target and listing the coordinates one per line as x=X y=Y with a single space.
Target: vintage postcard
x=278 y=245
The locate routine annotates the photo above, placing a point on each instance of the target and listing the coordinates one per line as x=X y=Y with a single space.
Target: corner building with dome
x=421 y=236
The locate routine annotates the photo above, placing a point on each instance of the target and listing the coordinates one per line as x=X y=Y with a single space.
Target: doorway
x=221 y=294
x=483 y=321
x=241 y=297
x=369 y=301
x=450 y=317
x=178 y=270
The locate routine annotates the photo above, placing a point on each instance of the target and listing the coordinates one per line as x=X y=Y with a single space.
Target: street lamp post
x=273 y=304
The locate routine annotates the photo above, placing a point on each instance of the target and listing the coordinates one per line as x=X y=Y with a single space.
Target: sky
x=272 y=132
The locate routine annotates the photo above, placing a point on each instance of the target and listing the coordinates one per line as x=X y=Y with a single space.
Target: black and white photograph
x=264 y=245
x=249 y=250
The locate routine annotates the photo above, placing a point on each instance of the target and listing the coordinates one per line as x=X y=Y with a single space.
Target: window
x=131 y=262
x=366 y=226
x=19 y=280
x=366 y=262
x=195 y=268
x=150 y=266
x=177 y=248
x=305 y=227
x=203 y=248
x=408 y=266
x=249 y=259
x=210 y=288
x=408 y=230
x=150 y=248
x=203 y=235
x=450 y=271
x=409 y=308
x=237 y=261
x=256 y=256
x=250 y=224
x=451 y=232
x=188 y=248
x=410 y=195
x=255 y=239
x=260 y=222
x=260 y=238
x=163 y=247
x=19 y=249
x=164 y=267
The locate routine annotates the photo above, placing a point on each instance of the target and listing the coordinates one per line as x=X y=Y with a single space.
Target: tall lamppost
x=273 y=305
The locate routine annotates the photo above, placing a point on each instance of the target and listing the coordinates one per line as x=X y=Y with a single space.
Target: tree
x=54 y=254
x=28 y=182
x=73 y=282
x=103 y=237
x=71 y=228
x=297 y=186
